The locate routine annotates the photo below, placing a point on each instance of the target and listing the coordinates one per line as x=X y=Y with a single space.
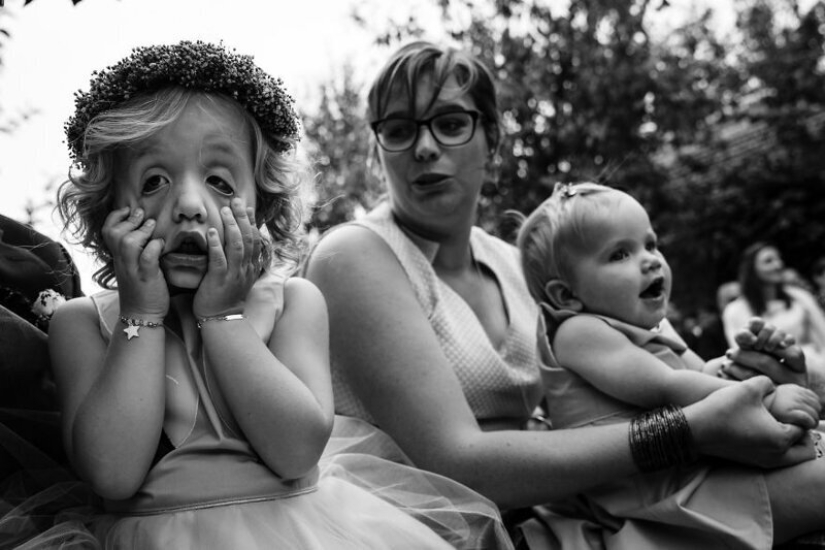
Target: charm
x=132 y=331
x=133 y=326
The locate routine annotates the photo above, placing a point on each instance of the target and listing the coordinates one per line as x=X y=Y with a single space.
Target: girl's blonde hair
x=550 y=236
x=87 y=197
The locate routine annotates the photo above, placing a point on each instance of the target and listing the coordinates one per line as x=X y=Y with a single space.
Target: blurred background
x=712 y=113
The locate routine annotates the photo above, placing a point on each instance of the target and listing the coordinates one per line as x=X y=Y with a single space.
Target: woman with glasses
x=433 y=331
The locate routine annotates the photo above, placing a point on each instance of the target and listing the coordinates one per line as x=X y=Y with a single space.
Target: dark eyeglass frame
x=474 y=116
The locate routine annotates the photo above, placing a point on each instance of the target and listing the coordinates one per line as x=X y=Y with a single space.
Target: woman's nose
x=426 y=147
x=190 y=204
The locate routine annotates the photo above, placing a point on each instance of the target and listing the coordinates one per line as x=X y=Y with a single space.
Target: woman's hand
x=733 y=423
x=141 y=285
x=793 y=404
x=233 y=267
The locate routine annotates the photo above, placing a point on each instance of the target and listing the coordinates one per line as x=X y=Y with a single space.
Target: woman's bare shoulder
x=348 y=242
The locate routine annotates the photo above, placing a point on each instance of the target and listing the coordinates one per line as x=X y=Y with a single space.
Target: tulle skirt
x=367 y=497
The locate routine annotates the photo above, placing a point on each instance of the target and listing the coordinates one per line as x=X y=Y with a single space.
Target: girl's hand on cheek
x=136 y=255
x=233 y=267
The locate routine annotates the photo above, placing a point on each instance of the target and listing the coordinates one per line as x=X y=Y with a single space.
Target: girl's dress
x=208 y=489
x=708 y=505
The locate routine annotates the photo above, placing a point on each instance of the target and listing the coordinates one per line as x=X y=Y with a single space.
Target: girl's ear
x=561 y=297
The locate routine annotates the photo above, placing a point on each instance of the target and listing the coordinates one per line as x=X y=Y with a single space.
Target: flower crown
x=195 y=65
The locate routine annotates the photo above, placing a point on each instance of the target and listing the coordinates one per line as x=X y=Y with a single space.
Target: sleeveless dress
x=709 y=505
x=209 y=490
x=500 y=384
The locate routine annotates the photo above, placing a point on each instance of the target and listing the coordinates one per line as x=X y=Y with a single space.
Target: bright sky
x=55 y=46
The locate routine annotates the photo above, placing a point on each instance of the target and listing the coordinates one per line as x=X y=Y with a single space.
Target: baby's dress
x=209 y=490
x=709 y=505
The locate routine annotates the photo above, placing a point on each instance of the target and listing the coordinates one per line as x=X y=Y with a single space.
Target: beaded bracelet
x=660 y=439
x=133 y=326
x=236 y=317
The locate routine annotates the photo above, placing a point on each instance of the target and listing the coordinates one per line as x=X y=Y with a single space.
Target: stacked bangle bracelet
x=133 y=326
x=660 y=439
x=236 y=317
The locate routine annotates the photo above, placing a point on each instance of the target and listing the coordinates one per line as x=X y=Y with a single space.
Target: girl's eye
x=651 y=246
x=219 y=184
x=153 y=184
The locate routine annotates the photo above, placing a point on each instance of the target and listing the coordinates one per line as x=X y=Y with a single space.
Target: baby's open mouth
x=655 y=289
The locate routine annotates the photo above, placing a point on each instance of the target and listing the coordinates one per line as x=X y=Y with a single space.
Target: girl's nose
x=190 y=204
x=426 y=147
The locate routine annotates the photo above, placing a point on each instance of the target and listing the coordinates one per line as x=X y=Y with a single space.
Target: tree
x=588 y=94
x=338 y=140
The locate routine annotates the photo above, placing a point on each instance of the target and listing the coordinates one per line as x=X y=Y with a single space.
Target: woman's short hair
x=420 y=59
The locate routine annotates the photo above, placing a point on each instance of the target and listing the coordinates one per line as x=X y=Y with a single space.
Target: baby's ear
x=560 y=296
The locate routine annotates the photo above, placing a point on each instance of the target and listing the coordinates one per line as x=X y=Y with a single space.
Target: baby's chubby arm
x=612 y=363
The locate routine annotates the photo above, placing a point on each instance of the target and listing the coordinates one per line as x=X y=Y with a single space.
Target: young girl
x=196 y=397
x=591 y=261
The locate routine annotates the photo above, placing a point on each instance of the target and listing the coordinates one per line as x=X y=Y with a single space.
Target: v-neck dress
x=499 y=383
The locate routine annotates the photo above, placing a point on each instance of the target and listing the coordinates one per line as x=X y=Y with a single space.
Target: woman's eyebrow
x=437 y=109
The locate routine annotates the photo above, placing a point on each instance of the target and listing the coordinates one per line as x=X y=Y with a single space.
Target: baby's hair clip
x=567 y=190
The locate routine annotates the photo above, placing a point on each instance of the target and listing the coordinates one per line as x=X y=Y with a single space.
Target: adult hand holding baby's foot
x=763 y=349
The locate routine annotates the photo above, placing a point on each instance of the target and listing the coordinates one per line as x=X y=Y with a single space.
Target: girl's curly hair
x=87 y=197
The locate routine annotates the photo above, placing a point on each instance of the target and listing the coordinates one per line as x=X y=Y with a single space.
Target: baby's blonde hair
x=549 y=237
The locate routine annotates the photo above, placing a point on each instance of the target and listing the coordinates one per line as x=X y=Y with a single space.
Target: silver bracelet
x=661 y=439
x=236 y=317
x=133 y=326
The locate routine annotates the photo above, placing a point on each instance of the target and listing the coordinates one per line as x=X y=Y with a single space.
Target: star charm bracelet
x=133 y=326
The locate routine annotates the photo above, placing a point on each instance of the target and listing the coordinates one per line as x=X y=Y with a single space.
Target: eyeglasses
x=396 y=134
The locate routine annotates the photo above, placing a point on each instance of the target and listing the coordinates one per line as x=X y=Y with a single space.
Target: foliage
x=338 y=140
x=718 y=139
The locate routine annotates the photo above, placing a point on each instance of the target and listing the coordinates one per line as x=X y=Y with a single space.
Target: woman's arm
x=612 y=363
x=111 y=398
x=280 y=393
x=386 y=347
